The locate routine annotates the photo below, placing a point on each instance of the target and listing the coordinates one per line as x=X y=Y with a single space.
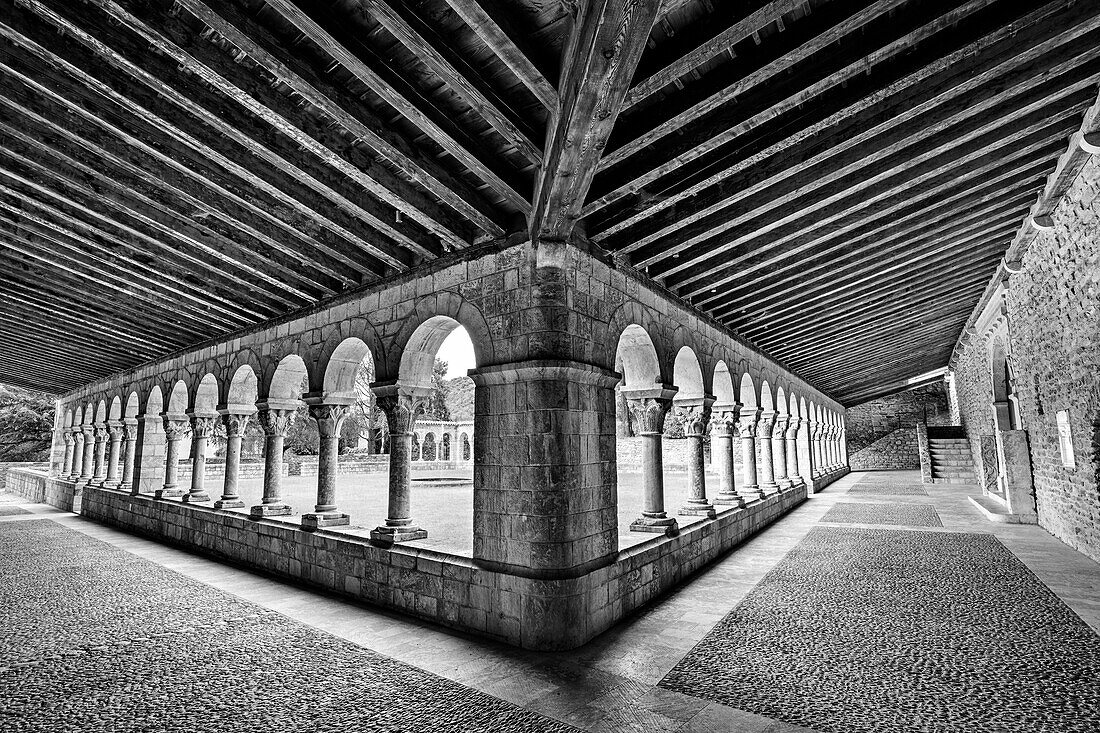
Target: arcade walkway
x=858 y=611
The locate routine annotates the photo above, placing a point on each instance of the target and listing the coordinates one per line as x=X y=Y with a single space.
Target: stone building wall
x=882 y=433
x=1053 y=310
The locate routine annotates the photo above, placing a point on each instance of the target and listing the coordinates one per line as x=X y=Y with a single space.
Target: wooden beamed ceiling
x=835 y=180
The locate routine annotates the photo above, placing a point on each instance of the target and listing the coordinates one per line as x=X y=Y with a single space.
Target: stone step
x=949 y=453
x=949 y=443
x=951 y=481
x=954 y=474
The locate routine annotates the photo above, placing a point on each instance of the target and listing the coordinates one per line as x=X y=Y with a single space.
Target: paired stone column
x=235 y=424
x=202 y=428
x=129 y=442
x=649 y=407
x=723 y=439
x=67 y=461
x=746 y=428
x=779 y=452
x=400 y=404
x=176 y=428
x=765 y=470
x=114 y=430
x=276 y=419
x=815 y=445
x=99 y=469
x=696 y=413
x=330 y=418
x=87 y=461
x=790 y=435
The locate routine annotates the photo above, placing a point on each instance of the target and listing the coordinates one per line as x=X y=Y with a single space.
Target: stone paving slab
x=911 y=515
x=97 y=639
x=901 y=630
x=888 y=489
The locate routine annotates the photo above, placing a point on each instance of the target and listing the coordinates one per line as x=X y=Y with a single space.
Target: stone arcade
x=784 y=316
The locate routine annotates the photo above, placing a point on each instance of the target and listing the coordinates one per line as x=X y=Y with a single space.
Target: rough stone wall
x=974 y=391
x=1054 y=321
x=7 y=466
x=882 y=433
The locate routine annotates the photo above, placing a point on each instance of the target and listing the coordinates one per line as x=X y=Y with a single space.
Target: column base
x=698 y=510
x=390 y=535
x=193 y=498
x=663 y=525
x=751 y=494
x=326 y=519
x=111 y=485
x=728 y=499
x=224 y=503
x=769 y=489
x=269 y=510
x=168 y=493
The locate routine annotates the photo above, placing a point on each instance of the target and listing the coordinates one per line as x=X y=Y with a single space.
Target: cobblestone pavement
x=97 y=639
x=901 y=630
x=888 y=489
x=911 y=515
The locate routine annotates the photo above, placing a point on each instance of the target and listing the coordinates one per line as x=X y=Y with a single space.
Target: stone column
x=114 y=430
x=723 y=434
x=765 y=471
x=202 y=427
x=129 y=443
x=649 y=407
x=330 y=418
x=746 y=428
x=235 y=424
x=400 y=404
x=175 y=429
x=791 y=444
x=275 y=419
x=88 y=459
x=102 y=438
x=779 y=452
x=697 y=414
x=67 y=461
x=815 y=443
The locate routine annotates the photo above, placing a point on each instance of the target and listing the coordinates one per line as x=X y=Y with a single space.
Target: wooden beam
x=902 y=118
x=62 y=242
x=846 y=218
x=224 y=131
x=500 y=42
x=259 y=44
x=717 y=44
x=212 y=70
x=424 y=42
x=339 y=52
x=602 y=52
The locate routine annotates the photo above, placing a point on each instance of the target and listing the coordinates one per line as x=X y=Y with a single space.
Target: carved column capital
x=723 y=421
x=649 y=413
x=696 y=414
x=779 y=428
x=747 y=422
x=89 y=431
x=176 y=427
x=329 y=418
x=114 y=429
x=129 y=428
x=102 y=433
x=276 y=421
x=202 y=426
x=793 y=426
x=235 y=423
x=68 y=437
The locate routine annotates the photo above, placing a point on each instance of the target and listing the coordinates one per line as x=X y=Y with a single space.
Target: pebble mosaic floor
x=97 y=639
x=901 y=630
x=911 y=515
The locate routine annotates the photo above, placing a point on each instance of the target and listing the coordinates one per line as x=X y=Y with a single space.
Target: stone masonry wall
x=1054 y=321
x=882 y=433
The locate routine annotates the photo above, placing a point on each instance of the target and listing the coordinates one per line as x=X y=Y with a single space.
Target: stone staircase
x=952 y=462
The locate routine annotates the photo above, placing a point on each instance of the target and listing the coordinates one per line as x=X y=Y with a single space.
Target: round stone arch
x=781 y=401
x=725 y=384
x=632 y=316
x=179 y=398
x=232 y=375
x=345 y=346
x=424 y=329
x=150 y=397
x=688 y=376
x=100 y=411
x=114 y=408
x=749 y=391
x=637 y=359
x=286 y=381
x=131 y=405
x=682 y=339
x=200 y=372
x=67 y=420
x=205 y=395
x=793 y=405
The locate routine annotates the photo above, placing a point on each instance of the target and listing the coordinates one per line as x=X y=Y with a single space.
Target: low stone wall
x=534 y=613
x=307 y=466
x=821 y=482
x=38 y=488
x=8 y=466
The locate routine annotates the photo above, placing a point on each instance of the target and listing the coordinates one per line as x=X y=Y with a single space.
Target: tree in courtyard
x=26 y=424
